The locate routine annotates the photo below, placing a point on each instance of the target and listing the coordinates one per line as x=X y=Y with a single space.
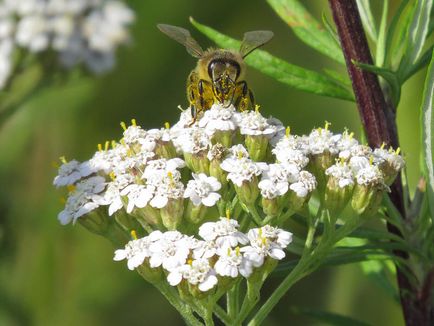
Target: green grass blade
x=368 y=20
x=427 y=136
x=292 y=75
x=307 y=28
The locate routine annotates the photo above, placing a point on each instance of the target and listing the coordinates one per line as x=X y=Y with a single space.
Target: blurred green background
x=55 y=275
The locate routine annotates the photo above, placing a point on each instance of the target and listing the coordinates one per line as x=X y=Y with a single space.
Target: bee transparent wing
x=253 y=40
x=184 y=37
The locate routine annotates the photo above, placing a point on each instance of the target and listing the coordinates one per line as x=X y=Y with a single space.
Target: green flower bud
x=216 y=155
x=152 y=275
x=368 y=191
x=339 y=188
x=318 y=164
x=366 y=200
x=195 y=214
x=389 y=162
x=198 y=162
x=95 y=221
x=165 y=149
x=224 y=137
x=171 y=214
x=274 y=206
x=248 y=192
x=148 y=215
x=257 y=147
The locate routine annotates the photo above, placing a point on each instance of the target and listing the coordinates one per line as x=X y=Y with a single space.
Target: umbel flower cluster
x=80 y=31
x=173 y=185
x=222 y=252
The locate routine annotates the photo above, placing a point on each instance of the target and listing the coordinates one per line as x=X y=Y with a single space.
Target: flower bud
x=366 y=200
x=198 y=162
x=274 y=206
x=216 y=155
x=257 y=147
x=171 y=214
x=152 y=275
x=368 y=191
x=248 y=191
x=224 y=137
x=301 y=190
x=95 y=221
x=339 y=187
x=165 y=149
x=318 y=165
x=195 y=214
x=390 y=163
x=148 y=215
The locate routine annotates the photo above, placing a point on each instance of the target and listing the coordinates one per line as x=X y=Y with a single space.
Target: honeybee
x=219 y=73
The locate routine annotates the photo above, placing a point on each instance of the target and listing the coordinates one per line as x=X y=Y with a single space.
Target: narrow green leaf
x=330 y=29
x=328 y=318
x=416 y=35
x=388 y=75
x=307 y=28
x=292 y=75
x=427 y=136
x=421 y=63
x=395 y=40
x=342 y=79
x=368 y=20
x=376 y=271
x=381 y=42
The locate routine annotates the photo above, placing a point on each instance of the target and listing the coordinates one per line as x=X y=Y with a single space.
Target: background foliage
x=54 y=275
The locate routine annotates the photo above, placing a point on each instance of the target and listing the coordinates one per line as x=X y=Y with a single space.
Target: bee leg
x=252 y=99
x=245 y=98
x=200 y=88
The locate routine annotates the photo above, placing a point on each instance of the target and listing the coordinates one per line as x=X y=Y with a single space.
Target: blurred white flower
x=81 y=31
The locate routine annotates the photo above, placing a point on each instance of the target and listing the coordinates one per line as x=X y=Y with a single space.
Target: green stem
x=255 y=215
x=177 y=303
x=296 y=274
x=222 y=315
x=232 y=298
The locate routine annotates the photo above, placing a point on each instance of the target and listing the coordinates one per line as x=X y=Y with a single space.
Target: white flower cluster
x=348 y=161
x=81 y=31
x=151 y=168
x=224 y=251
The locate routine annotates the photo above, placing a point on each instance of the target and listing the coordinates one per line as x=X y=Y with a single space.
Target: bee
x=219 y=73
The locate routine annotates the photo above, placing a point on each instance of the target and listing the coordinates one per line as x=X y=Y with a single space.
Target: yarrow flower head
x=173 y=185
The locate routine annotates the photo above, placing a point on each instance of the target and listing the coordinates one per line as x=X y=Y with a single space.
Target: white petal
x=174 y=278
x=277 y=253
x=120 y=254
x=159 y=201
x=211 y=199
x=209 y=282
x=64 y=217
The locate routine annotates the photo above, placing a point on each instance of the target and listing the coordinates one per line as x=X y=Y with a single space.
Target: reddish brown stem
x=378 y=119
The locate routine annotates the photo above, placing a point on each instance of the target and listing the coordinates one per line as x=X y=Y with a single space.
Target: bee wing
x=253 y=40
x=184 y=37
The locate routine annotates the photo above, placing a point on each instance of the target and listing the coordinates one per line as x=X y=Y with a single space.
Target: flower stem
x=379 y=121
x=255 y=215
x=296 y=274
x=177 y=303
x=222 y=315
x=232 y=298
